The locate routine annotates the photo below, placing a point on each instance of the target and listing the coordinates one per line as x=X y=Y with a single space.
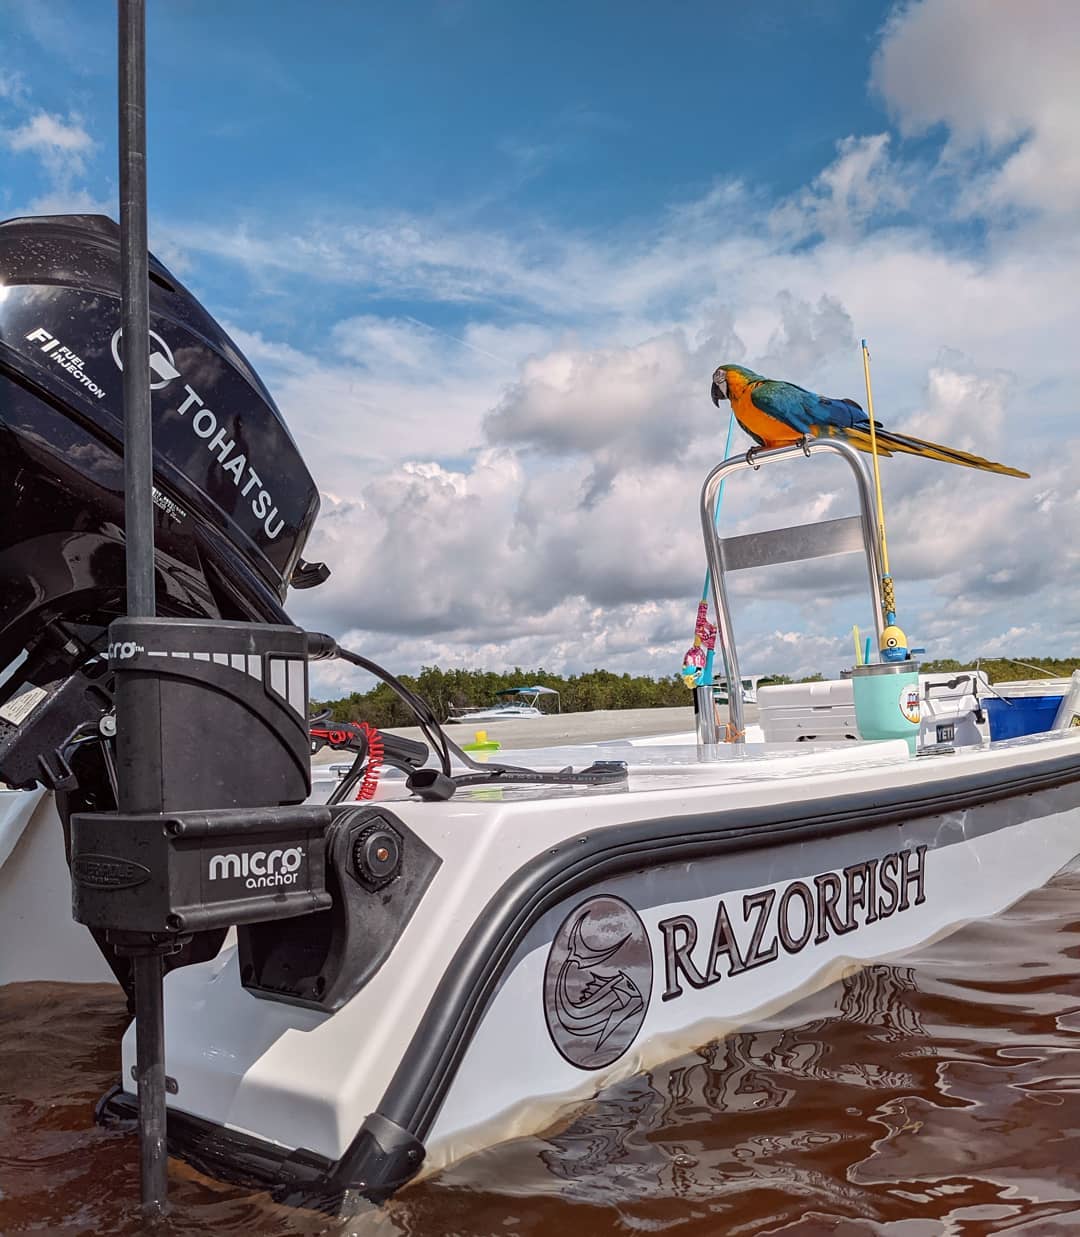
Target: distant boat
x=514 y=702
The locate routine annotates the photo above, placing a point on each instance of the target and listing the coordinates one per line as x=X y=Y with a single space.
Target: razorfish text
x=789 y=919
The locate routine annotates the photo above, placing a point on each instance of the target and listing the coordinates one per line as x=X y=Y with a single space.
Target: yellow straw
x=858 y=645
x=873 y=452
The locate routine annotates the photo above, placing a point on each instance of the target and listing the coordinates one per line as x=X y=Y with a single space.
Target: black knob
x=377 y=855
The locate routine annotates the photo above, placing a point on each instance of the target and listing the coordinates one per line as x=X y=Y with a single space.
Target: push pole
x=147 y=961
x=135 y=313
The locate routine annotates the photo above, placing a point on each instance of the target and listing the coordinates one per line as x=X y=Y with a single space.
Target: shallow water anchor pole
x=135 y=313
x=149 y=971
x=139 y=548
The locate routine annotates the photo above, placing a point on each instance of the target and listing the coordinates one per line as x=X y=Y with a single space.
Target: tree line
x=596 y=689
x=465 y=689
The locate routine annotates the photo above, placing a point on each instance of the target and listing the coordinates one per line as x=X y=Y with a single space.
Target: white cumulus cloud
x=1001 y=78
x=62 y=145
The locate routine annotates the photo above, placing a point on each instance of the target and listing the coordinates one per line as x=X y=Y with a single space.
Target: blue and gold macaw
x=776 y=414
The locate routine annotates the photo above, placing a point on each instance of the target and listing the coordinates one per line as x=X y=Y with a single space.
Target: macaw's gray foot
x=805 y=444
x=751 y=458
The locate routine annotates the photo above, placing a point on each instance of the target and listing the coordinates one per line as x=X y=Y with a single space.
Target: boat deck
x=672 y=764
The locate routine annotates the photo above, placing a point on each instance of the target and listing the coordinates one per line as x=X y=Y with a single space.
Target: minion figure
x=893 y=645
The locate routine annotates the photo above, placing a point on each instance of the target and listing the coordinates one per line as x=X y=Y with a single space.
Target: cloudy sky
x=487 y=256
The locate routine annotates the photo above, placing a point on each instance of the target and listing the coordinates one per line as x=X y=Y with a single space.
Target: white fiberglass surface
x=300 y=1078
x=35 y=898
x=727 y=758
x=673 y=765
x=486 y=1102
x=667 y=766
x=16 y=808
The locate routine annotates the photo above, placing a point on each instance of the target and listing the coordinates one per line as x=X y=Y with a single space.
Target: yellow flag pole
x=888 y=593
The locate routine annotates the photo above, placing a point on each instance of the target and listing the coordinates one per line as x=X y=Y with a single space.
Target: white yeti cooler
x=799 y=712
x=951 y=713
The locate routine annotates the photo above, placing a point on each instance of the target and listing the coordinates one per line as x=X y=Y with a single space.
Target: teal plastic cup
x=887 y=701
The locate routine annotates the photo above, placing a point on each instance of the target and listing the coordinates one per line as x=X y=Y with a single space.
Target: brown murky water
x=941 y=1096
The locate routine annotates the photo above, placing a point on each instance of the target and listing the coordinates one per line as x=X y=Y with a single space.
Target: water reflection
x=939 y=1096
x=936 y=1094
x=720 y=1120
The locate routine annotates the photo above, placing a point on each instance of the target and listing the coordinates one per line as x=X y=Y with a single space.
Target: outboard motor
x=177 y=743
x=233 y=506
x=235 y=502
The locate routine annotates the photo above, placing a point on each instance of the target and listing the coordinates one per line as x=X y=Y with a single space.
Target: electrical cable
x=417 y=705
x=363 y=770
x=426 y=782
x=343 y=790
x=376 y=753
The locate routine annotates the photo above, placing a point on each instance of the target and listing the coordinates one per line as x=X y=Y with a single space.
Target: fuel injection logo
x=65 y=358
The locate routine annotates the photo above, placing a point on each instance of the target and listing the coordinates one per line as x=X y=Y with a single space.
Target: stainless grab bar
x=714 y=554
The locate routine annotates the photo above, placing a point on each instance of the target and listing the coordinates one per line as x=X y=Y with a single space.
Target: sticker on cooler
x=909 y=703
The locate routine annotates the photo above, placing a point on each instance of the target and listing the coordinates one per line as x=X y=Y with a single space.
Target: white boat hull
x=570 y=940
x=504 y=713
x=737 y=894
x=38 y=938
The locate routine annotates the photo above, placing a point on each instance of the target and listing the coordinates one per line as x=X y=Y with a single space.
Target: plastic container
x=1020 y=715
x=1068 y=715
x=887 y=700
x=481 y=743
x=1032 y=687
x=950 y=709
x=798 y=712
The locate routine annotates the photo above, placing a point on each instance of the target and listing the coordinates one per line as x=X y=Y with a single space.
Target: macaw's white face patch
x=597 y=982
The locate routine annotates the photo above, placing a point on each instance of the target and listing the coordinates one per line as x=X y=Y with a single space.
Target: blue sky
x=486 y=256
x=593 y=118
x=592 y=114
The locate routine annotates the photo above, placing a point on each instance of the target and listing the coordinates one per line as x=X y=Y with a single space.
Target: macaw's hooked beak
x=718 y=393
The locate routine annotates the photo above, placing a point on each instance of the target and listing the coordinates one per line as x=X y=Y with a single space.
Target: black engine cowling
x=235 y=502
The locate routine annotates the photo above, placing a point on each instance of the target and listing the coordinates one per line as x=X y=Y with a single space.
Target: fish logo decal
x=597 y=982
x=605 y=1001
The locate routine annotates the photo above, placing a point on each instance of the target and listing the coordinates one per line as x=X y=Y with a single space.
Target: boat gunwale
x=459 y=1002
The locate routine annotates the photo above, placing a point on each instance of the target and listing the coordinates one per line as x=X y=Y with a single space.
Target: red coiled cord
x=374 y=761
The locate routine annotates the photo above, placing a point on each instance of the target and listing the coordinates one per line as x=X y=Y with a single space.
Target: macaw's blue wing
x=803 y=410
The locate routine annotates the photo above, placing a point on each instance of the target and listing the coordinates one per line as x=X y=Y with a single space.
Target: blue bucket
x=1019 y=715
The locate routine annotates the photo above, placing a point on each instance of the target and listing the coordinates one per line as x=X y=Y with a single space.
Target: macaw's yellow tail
x=888 y=443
